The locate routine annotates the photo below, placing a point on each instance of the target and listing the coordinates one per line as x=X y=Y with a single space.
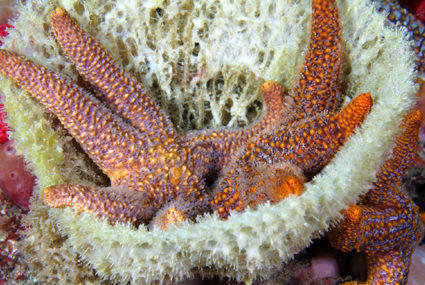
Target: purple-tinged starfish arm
x=119 y=90
x=92 y=124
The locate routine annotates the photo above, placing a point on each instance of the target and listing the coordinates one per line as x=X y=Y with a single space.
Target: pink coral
x=15 y=182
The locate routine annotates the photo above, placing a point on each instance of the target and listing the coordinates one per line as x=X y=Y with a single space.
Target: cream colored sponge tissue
x=203 y=62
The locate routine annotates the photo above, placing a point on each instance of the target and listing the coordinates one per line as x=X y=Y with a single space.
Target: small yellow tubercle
x=290 y=185
x=60 y=10
x=354 y=213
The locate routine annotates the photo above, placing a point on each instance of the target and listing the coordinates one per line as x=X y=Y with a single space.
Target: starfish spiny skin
x=386 y=224
x=318 y=85
x=311 y=133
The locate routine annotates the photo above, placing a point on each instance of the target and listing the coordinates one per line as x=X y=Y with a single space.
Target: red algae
x=3 y=31
x=4 y=137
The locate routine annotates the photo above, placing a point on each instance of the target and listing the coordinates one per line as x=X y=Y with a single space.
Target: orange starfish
x=386 y=224
x=272 y=166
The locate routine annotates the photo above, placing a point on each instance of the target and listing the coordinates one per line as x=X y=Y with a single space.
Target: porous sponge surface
x=232 y=47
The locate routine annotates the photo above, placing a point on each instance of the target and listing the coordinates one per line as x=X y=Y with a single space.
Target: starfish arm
x=386 y=223
x=114 y=207
x=320 y=138
x=412 y=25
x=311 y=144
x=222 y=144
x=94 y=126
x=318 y=84
x=388 y=249
x=119 y=90
x=386 y=267
x=362 y=228
x=395 y=167
x=276 y=107
x=346 y=236
x=177 y=211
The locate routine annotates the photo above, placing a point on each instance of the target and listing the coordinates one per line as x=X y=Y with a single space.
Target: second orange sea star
x=386 y=224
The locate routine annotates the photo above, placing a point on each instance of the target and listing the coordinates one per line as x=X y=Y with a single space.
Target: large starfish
x=128 y=136
x=386 y=224
x=134 y=143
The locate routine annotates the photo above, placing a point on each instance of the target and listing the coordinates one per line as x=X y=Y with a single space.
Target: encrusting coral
x=65 y=245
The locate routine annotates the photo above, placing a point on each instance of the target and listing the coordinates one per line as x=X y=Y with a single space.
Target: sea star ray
x=386 y=224
x=318 y=84
x=119 y=90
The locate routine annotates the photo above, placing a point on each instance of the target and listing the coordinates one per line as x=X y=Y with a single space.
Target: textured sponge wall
x=232 y=48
